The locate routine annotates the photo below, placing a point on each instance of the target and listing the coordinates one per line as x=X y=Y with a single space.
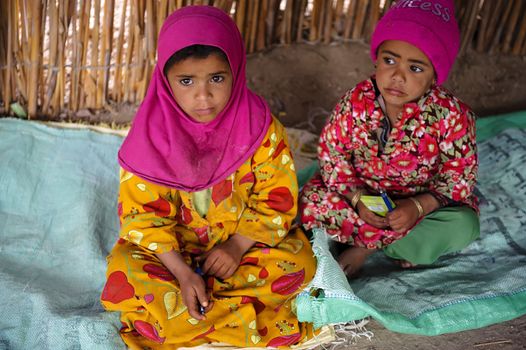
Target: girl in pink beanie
x=399 y=136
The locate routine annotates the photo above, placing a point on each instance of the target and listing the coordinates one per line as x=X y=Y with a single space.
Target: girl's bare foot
x=404 y=264
x=352 y=259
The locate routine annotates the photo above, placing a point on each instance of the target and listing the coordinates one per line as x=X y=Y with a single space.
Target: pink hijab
x=165 y=145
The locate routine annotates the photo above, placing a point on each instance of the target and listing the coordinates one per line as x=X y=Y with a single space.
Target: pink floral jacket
x=430 y=149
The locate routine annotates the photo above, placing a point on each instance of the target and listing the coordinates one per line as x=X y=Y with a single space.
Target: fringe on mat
x=346 y=335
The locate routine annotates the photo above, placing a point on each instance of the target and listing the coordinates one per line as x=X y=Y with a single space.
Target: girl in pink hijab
x=207 y=197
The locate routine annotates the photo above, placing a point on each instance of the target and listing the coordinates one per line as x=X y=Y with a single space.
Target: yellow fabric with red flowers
x=251 y=308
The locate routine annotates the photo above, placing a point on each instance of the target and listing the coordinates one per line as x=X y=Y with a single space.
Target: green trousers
x=443 y=231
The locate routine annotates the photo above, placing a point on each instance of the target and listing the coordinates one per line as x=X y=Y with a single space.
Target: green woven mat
x=482 y=285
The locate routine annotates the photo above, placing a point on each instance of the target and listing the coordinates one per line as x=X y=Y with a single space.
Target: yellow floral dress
x=254 y=307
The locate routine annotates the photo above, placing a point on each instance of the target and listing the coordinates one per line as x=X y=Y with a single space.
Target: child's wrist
x=175 y=263
x=242 y=243
x=181 y=272
x=418 y=206
x=355 y=198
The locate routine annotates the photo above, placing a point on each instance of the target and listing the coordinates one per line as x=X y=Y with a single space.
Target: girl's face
x=201 y=86
x=403 y=73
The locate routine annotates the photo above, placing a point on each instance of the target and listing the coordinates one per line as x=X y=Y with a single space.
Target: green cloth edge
x=492 y=125
x=338 y=304
x=462 y=315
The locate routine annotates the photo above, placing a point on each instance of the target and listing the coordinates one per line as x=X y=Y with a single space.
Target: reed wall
x=60 y=56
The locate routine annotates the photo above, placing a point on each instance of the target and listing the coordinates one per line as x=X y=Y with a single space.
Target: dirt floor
x=303 y=82
x=509 y=335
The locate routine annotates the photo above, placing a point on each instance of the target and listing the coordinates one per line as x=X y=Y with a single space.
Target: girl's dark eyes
x=186 y=81
x=413 y=68
x=214 y=79
x=217 y=79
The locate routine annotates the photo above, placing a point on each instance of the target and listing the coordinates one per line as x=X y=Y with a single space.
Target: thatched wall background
x=61 y=56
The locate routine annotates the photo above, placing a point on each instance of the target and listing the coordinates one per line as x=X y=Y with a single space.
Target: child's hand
x=370 y=217
x=404 y=216
x=223 y=260
x=194 y=294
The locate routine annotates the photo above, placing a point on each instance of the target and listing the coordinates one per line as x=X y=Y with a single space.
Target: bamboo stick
x=301 y=19
x=373 y=17
x=64 y=15
x=328 y=23
x=15 y=29
x=57 y=99
x=228 y=7
x=253 y=26
x=9 y=55
x=218 y=3
x=92 y=73
x=18 y=79
x=248 y=24
x=12 y=30
x=85 y=74
x=173 y=5
x=270 y=32
x=80 y=45
x=360 y=19
x=285 y=24
x=485 y=19
x=131 y=87
x=36 y=22
x=521 y=36
x=503 y=20
x=117 y=93
x=162 y=13
x=105 y=57
x=240 y=16
x=3 y=56
x=151 y=39
x=511 y=26
x=314 y=19
x=470 y=21
x=52 y=57
x=128 y=56
x=349 y=20
x=24 y=50
x=321 y=20
x=41 y=77
x=74 y=44
x=260 y=43
x=496 y=13
x=141 y=71
x=387 y=6
x=338 y=17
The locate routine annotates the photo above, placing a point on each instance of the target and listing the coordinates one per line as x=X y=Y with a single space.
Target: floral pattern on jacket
x=431 y=148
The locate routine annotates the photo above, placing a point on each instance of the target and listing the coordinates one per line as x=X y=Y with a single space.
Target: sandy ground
x=509 y=335
x=303 y=82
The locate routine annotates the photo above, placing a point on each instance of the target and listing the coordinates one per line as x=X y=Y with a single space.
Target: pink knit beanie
x=429 y=25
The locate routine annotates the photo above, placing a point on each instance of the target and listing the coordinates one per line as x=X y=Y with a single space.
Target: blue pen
x=200 y=273
x=386 y=201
